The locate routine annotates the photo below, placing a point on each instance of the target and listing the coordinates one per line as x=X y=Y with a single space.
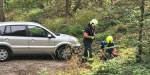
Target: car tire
x=64 y=53
x=4 y=54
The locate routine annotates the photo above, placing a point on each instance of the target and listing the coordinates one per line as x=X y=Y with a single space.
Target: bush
x=17 y=16
x=84 y=18
x=75 y=30
x=54 y=25
x=34 y=14
x=122 y=29
x=102 y=36
x=108 y=22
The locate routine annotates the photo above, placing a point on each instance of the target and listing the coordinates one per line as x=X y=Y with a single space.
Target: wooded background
x=127 y=20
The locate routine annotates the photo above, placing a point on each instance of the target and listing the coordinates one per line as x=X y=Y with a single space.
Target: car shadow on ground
x=34 y=57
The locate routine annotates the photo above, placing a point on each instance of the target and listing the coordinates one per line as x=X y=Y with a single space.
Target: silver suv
x=33 y=38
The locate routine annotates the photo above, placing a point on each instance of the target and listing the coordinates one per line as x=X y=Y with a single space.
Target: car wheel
x=4 y=54
x=65 y=53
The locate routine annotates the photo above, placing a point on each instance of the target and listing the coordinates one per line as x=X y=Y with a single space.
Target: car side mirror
x=49 y=36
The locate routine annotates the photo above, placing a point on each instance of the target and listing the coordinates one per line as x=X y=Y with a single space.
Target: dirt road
x=31 y=65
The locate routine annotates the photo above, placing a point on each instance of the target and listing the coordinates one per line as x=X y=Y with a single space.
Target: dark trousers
x=88 y=49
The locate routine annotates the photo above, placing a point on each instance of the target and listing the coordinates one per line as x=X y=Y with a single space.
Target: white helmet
x=94 y=22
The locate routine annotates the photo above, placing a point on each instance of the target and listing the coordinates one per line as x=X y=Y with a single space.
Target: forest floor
x=31 y=65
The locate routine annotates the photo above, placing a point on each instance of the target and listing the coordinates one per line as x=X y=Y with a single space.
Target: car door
x=39 y=42
x=16 y=37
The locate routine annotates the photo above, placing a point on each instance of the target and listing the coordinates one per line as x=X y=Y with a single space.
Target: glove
x=92 y=37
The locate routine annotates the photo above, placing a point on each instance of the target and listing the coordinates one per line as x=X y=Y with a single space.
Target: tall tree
x=2 y=18
x=67 y=7
x=76 y=6
x=141 y=31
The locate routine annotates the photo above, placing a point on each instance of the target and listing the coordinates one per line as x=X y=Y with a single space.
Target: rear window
x=2 y=28
x=15 y=30
x=7 y=31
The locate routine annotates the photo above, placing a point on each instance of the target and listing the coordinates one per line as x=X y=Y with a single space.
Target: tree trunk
x=76 y=6
x=141 y=31
x=70 y=5
x=2 y=17
x=67 y=6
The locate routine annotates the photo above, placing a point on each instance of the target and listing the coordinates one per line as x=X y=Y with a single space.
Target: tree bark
x=70 y=5
x=76 y=6
x=67 y=6
x=141 y=31
x=2 y=17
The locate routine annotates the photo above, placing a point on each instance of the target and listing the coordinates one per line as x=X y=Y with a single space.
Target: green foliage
x=141 y=71
x=107 y=2
x=121 y=29
x=35 y=12
x=122 y=65
x=84 y=17
x=33 y=15
x=75 y=30
x=43 y=72
x=108 y=23
x=126 y=12
x=146 y=41
x=55 y=25
x=21 y=4
x=19 y=18
x=102 y=36
x=130 y=15
x=130 y=40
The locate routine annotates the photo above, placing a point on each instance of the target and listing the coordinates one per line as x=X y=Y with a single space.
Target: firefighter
x=108 y=43
x=88 y=37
